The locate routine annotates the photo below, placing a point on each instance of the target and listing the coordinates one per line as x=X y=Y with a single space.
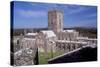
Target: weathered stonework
x=55 y=20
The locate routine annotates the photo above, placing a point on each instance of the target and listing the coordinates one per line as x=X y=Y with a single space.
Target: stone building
x=29 y=41
x=28 y=48
x=55 y=20
x=69 y=35
x=55 y=39
x=46 y=40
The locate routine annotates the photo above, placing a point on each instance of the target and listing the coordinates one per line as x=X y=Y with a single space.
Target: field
x=43 y=59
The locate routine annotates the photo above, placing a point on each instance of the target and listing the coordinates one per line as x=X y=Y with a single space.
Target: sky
x=35 y=14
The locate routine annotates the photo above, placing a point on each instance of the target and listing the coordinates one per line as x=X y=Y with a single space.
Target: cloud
x=88 y=22
x=74 y=9
x=44 y=6
x=31 y=13
x=91 y=15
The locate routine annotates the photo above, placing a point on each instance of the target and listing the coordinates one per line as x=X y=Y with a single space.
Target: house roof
x=69 y=31
x=49 y=33
x=33 y=34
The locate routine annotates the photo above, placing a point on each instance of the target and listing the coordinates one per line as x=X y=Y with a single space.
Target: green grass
x=43 y=58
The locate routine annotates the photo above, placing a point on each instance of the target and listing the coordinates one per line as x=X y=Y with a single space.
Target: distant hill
x=89 y=32
x=16 y=32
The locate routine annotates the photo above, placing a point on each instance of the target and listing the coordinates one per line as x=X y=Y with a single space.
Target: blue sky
x=35 y=15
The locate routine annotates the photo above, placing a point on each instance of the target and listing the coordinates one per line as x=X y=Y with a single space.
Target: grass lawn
x=43 y=58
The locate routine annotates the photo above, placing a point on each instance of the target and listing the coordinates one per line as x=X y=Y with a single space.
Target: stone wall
x=55 y=20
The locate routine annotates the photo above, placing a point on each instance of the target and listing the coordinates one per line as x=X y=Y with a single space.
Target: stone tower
x=55 y=21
